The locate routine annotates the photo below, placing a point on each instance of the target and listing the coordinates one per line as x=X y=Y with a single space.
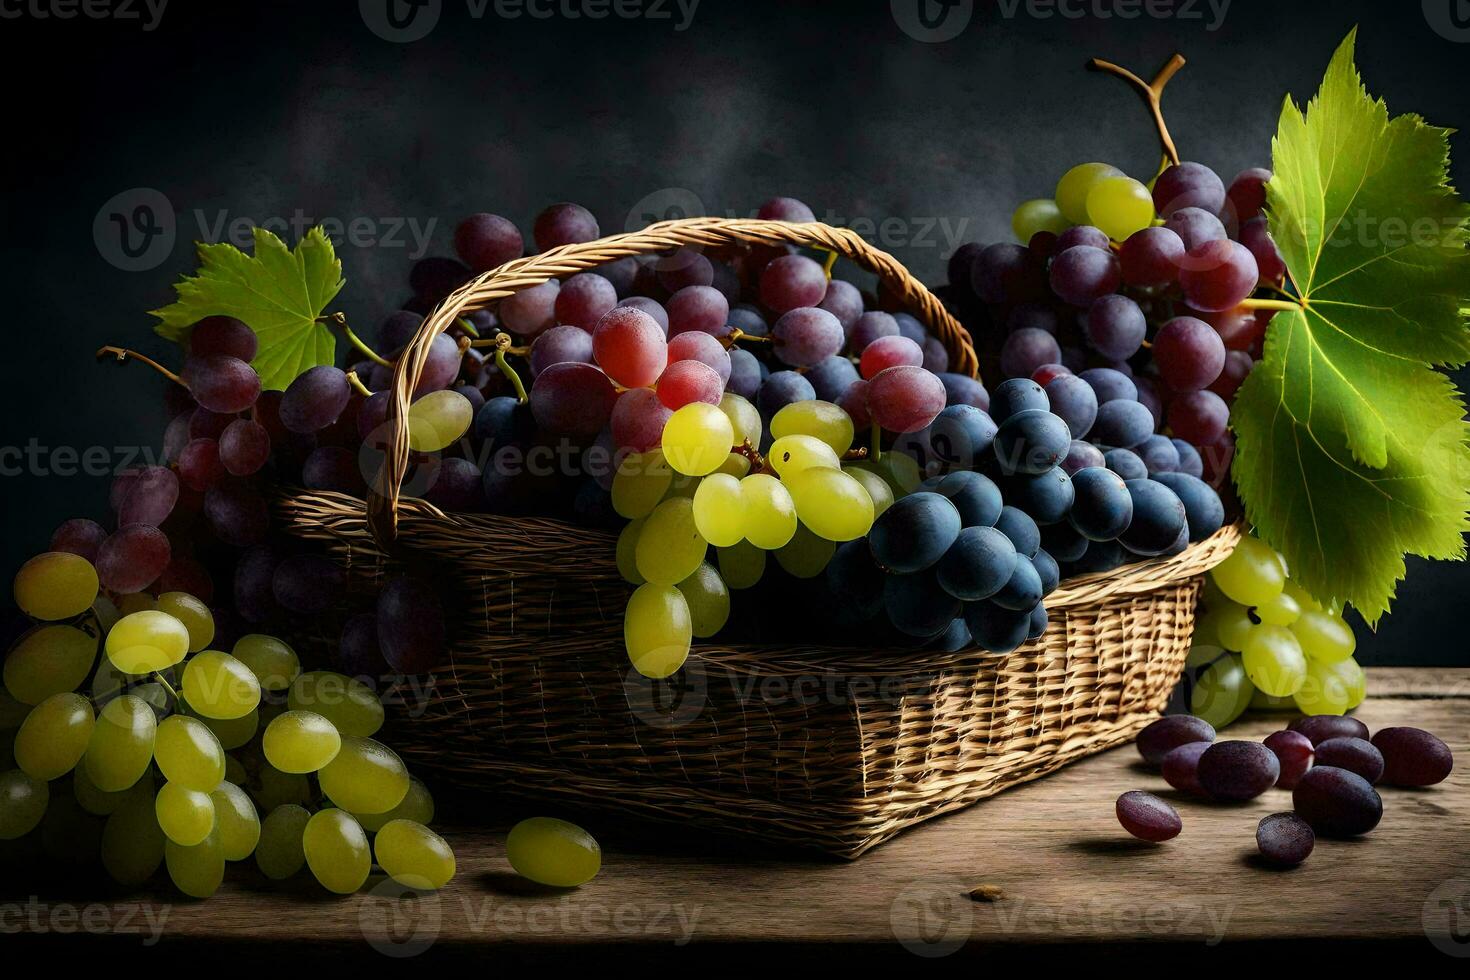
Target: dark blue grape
x=1022 y=590
x=1081 y=455
x=1046 y=497
x=747 y=374
x=1032 y=442
x=504 y=421
x=1017 y=525
x=1101 y=556
x=1158 y=454
x=1036 y=628
x=1110 y=385
x=960 y=435
x=1158 y=518
x=910 y=327
x=995 y=629
x=830 y=378
x=974 y=495
x=1015 y=396
x=978 y=565
x=1074 y=402
x=781 y=389
x=1063 y=542
x=1049 y=572
x=1122 y=423
x=1189 y=459
x=914 y=532
x=917 y=605
x=1126 y=463
x=1102 y=507
x=855 y=582
x=1203 y=509
x=955 y=638
x=960 y=389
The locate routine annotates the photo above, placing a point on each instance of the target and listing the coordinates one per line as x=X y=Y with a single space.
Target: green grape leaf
x=279 y=293
x=1351 y=447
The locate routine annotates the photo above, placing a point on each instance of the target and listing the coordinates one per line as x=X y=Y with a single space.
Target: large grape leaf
x=279 y=293
x=1352 y=448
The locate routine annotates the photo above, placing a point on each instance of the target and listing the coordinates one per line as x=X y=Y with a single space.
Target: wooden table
x=1067 y=876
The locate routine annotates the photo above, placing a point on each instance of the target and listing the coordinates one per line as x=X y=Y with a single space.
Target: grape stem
x=1271 y=304
x=1152 y=92
x=828 y=263
x=502 y=345
x=467 y=327
x=758 y=463
x=876 y=443
x=340 y=320
x=357 y=385
x=736 y=335
x=857 y=452
x=167 y=687
x=122 y=354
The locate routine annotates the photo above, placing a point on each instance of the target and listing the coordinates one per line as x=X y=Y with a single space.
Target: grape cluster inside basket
x=837 y=749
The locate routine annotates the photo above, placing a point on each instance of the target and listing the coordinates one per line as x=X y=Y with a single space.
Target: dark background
x=265 y=110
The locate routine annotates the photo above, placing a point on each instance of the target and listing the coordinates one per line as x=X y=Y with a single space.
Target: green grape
x=1210 y=593
x=120 y=749
x=697 y=438
x=56 y=585
x=365 y=777
x=1304 y=599
x=300 y=742
x=216 y=685
x=147 y=641
x=1076 y=184
x=1273 y=658
x=1261 y=701
x=1324 y=637
x=1038 y=214
x=745 y=421
x=337 y=851
x=1202 y=654
x=789 y=455
x=102 y=803
x=682 y=487
x=1331 y=688
x=640 y=483
x=770 y=513
x=233 y=732
x=414 y=855
x=719 y=510
x=132 y=841
x=879 y=492
x=345 y=701
x=239 y=824
x=134 y=602
x=195 y=616
x=54 y=736
x=899 y=470
x=1222 y=692
x=1120 y=206
x=416 y=805
x=185 y=815
x=670 y=546
x=272 y=661
x=708 y=600
x=437 y=420
x=277 y=788
x=1280 y=610
x=187 y=753
x=196 y=871
x=106 y=612
x=553 y=852
x=819 y=419
x=279 y=853
x=831 y=503
x=50 y=660
x=23 y=802
x=234 y=768
x=1252 y=574
x=628 y=552
x=742 y=565
x=657 y=629
x=1228 y=624
x=806 y=554
x=734 y=465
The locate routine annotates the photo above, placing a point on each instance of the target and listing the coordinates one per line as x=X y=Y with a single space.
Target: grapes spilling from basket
x=1328 y=764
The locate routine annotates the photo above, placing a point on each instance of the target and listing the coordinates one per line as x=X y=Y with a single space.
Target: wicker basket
x=837 y=749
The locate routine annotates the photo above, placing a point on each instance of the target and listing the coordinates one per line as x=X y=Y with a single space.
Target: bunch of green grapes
x=175 y=750
x=1263 y=642
x=706 y=486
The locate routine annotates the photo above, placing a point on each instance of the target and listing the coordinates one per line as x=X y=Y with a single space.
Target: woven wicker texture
x=837 y=749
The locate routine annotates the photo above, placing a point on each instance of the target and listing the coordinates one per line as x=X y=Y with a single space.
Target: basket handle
x=533 y=270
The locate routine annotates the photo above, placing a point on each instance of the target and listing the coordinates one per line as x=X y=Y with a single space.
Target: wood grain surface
x=1056 y=866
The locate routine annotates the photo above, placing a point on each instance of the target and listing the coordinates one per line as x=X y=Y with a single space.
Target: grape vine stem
x=340 y=320
x=1271 y=304
x=357 y=385
x=502 y=345
x=736 y=335
x=758 y=462
x=167 y=687
x=1152 y=92
x=122 y=354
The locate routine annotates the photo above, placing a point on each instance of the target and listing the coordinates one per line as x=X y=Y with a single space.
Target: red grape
x=904 y=398
x=792 y=281
x=689 y=381
x=629 y=345
x=485 y=241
